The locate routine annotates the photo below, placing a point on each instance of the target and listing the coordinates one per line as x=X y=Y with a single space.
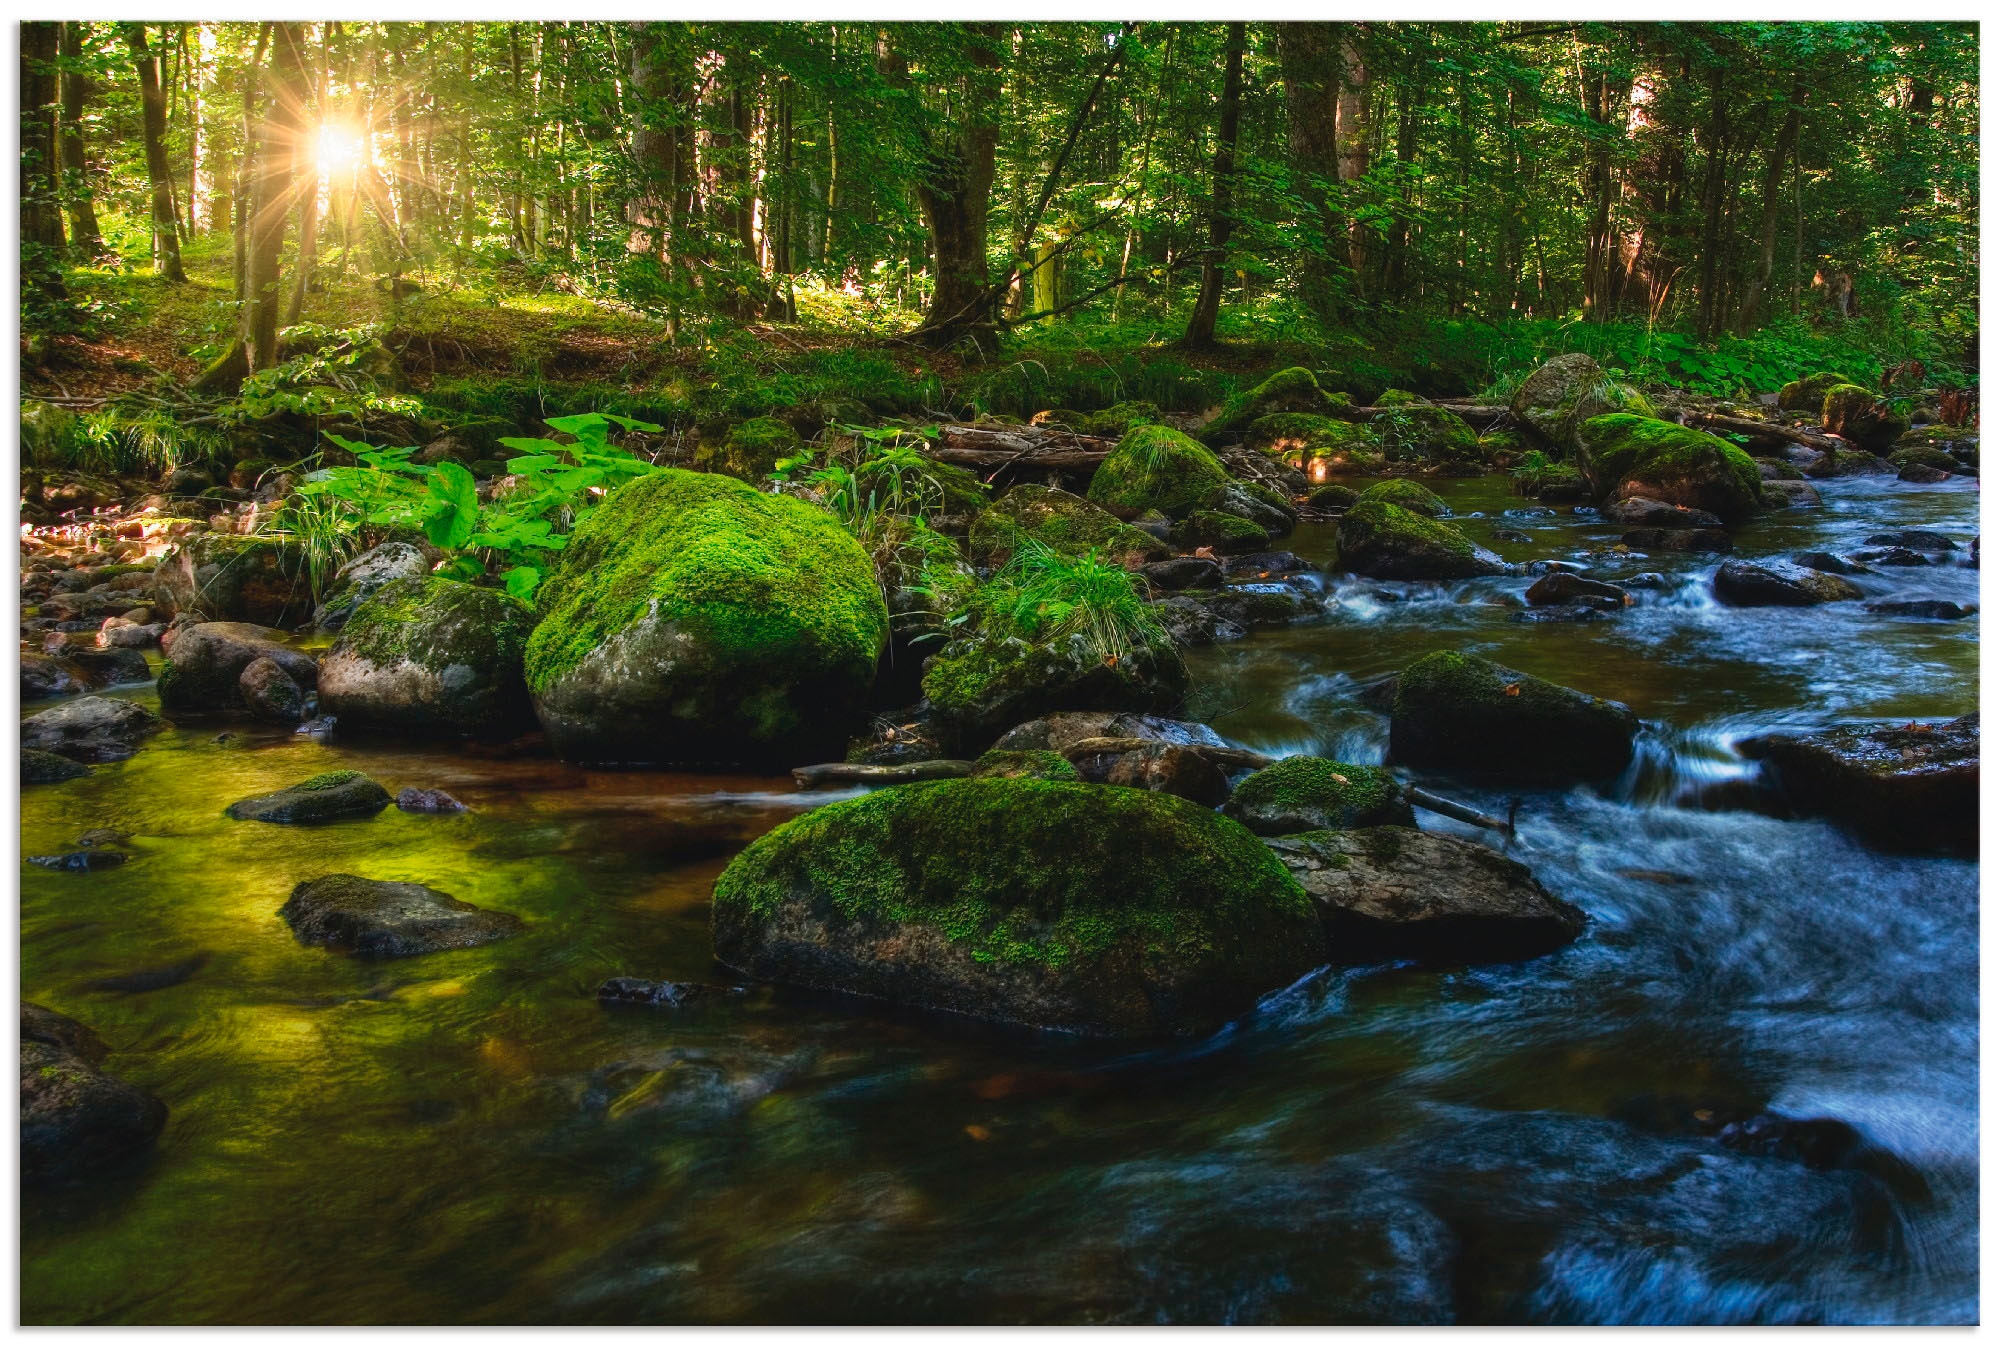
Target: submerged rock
x=695 y=619
x=328 y=797
x=81 y=862
x=46 y=768
x=1396 y=893
x=1057 y=905
x=431 y=657
x=663 y=994
x=1902 y=786
x=1679 y=540
x=1916 y=539
x=205 y=666
x=414 y=800
x=1384 y=541
x=1933 y=609
x=1310 y=794
x=369 y=918
x=76 y=1121
x=90 y=729
x=1747 y=584
x=1562 y=587
x=1462 y=711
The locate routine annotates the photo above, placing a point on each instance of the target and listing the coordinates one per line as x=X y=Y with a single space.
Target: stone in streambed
x=204 y=669
x=328 y=797
x=433 y=658
x=1385 y=541
x=76 y=1121
x=90 y=729
x=1932 y=609
x=1387 y=893
x=1640 y=512
x=45 y=768
x=1623 y=455
x=369 y=918
x=1746 y=584
x=1023 y=764
x=269 y=693
x=663 y=994
x=414 y=800
x=1916 y=539
x=1828 y=564
x=1562 y=587
x=1046 y=903
x=1310 y=794
x=1461 y=711
x=1678 y=540
x=80 y=862
x=362 y=577
x=1907 y=786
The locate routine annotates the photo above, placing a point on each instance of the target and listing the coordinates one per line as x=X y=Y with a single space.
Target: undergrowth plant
x=1044 y=596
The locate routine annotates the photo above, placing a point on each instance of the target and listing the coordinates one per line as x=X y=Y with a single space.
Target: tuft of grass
x=1042 y=595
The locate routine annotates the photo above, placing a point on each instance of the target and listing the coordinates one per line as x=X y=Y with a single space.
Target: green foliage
x=338 y=374
x=115 y=439
x=1041 y=595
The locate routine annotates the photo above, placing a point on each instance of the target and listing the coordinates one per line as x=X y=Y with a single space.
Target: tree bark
x=1221 y=214
x=85 y=237
x=1307 y=63
x=153 y=112
x=955 y=191
x=41 y=211
x=1767 y=233
x=1351 y=113
x=1709 y=312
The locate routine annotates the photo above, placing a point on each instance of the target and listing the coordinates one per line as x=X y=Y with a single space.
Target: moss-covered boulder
x=222 y=577
x=1624 y=455
x=1300 y=435
x=434 y=658
x=328 y=797
x=1307 y=794
x=1223 y=533
x=1546 y=401
x=1461 y=711
x=204 y=670
x=1058 y=905
x=1156 y=467
x=696 y=620
x=365 y=575
x=48 y=434
x=1809 y=393
x=1411 y=495
x=984 y=684
x=1116 y=420
x=1066 y=524
x=1023 y=764
x=1412 y=429
x=1289 y=390
x=1387 y=542
x=750 y=450
x=1937 y=459
x=1332 y=497
x=1856 y=415
x=924 y=577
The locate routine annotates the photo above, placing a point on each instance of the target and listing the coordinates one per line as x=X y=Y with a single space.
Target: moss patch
x=1155 y=467
x=1416 y=498
x=1030 y=764
x=1668 y=462
x=438 y=622
x=751 y=450
x=1066 y=524
x=1308 y=793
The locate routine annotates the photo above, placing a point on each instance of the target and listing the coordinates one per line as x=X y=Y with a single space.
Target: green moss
x=1289 y=390
x=1066 y=524
x=438 y=622
x=1809 y=393
x=1396 y=397
x=1416 y=498
x=769 y=584
x=1116 y=420
x=1332 y=497
x=327 y=780
x=1289 y=434
x=1020 y=871
x=1620 y=447
x=1384 y=526
x=751 y=450
x=1223 y=532
x=1503 y=442
x=1414 y=430
x=1029 y=764
x=1155 y=467
x=1312 y=792
x=965 y=492
x=1923 y=457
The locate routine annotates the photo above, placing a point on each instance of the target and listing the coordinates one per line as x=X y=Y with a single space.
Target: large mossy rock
x=980 y=686
x=1297 y=435
x=221 y=577
x=696 y=620
x=1625 y=455
x=1387 y=542
x=1289 y=390
x=1413 y=429
x=1156 y=467
x=1396 y=893
x=750 y=451
x=1066 y=524
x=1411 y=495
x=1310 y=794
x=331 y=796
x=365 y=575
x=1856 y=415
x=76 y=1121
x=1459 y=711
x=1084 y=908
x=434 y=658
x=1555 y=401
x=204 y=670
x=1809 y=393
x=1903 y=786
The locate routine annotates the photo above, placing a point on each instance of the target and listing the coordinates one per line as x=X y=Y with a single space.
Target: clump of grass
x=1044 y=596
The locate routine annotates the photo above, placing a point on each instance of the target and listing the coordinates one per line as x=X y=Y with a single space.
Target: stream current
x=468 y=1137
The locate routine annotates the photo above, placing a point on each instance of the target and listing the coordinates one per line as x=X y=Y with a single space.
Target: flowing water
x=468 y=1137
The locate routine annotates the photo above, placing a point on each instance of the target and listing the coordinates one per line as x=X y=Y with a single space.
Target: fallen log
x=1232 y=758
x=1034 y=447
x=1811 y=439
x=860 y=773
x=1424 y=799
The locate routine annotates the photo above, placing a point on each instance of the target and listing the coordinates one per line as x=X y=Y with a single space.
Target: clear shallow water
x=468 y=1137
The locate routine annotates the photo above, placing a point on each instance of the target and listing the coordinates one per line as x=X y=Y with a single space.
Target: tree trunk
x=84 y=235
x=1709 y=314
x=153 y=110
x=1351 y=133
x=1221 y=214
x=1307 y=61
x=41 y=211
x=1767 y=235
x=954 y=191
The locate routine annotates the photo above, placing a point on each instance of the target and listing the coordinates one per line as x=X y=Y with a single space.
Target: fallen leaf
x=1513 y=689
x=978 y=1133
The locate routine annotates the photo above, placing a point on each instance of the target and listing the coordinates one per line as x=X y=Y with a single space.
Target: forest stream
x=470 y=1137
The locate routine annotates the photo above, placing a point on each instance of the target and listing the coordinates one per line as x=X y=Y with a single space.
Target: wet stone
x=76 y=1121
x=46 y=768
x=664 y=994
x=1916 y=539
x=369 y=918
x=1828 y=564
x=324 y=798
x=414 y=800
x=1678 y=540
x=1935 y=609
x=80 y=862
x=1892 y=556
x=1907 y=786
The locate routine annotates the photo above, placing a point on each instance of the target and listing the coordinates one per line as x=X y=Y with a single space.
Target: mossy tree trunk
x=1221 y=214
x=85 y=236
x=153 y=113
x=41 y=213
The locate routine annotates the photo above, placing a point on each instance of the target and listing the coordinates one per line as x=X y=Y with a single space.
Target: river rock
x=1678 y=540
x=76 y=1121
x=1916 y=539
x=45 y=768
x=1184 y=572
x=1749 y=584
x=1849 y=463
x=204 y=668
x=1388 y=893
x=1919 y=475
x=327 y=797
x=1387 y=542
x=1557 y=399
x=431 y=657
x=269 y=693
x=695 y=619
x=1066 y=524
x=43 y=676
x=222 y=577
x=1165 y=768
x=1796 y=495
x=1218 y=532
x=131 y=635
x=361 y=577
x=1561 y=587
x=1934 y=609
x=1064 y=906
x=1623 y=455
x=663 y=994
x=414 y=800
x=1903 y=786
x=1059 y=732
x=1310 y=794
x=1892 y=556
x=1461 y=711
x=1856 y=414
x=369 y=918
x=1640 y=512
x=81 y=862
x=1189 y=622
x=979 y=686
x=1828 y=564
x=1155 y=467
x=90 y=729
